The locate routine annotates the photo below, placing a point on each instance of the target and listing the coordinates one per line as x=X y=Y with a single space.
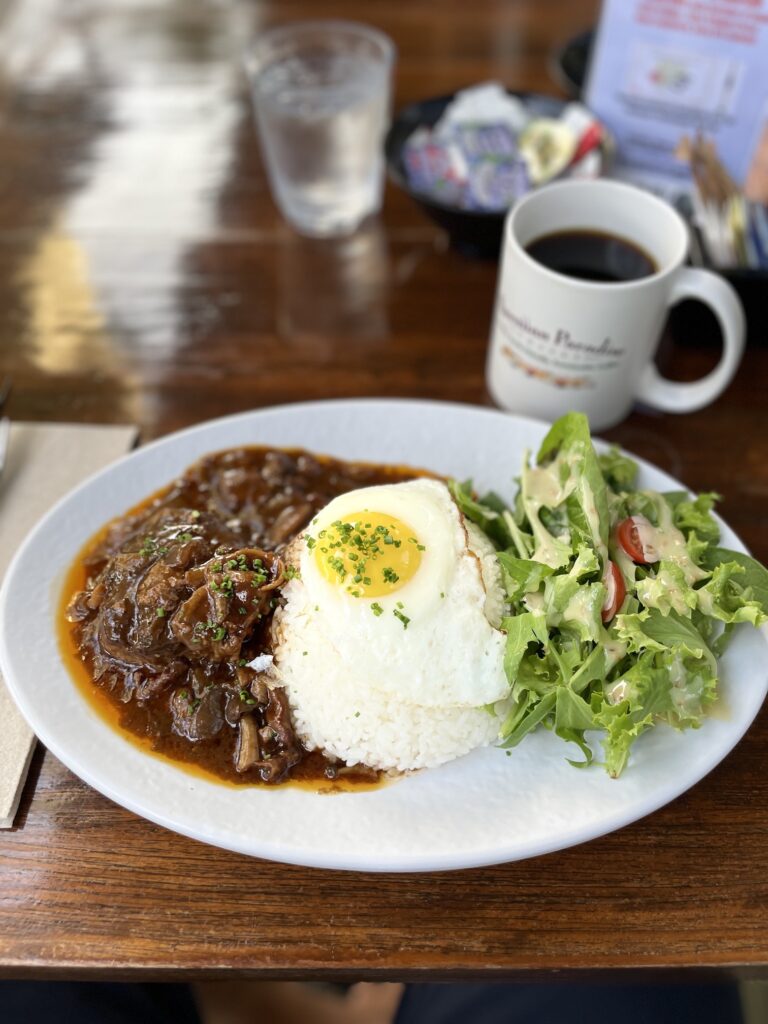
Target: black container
x=479 y=235
x=473 y=232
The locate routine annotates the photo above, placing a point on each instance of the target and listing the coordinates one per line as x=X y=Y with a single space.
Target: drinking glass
x=321 y=94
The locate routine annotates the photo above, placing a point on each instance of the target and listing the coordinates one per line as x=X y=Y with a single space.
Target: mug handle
x=716 y=293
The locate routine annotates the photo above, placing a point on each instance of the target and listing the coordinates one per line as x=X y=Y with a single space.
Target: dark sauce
x=592 y=256
x=268 y=496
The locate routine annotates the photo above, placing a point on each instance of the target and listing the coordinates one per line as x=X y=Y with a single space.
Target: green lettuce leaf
x=619 y=471
x=569 y=429
x=565 y=652
x=695 y=514
x=622 y=727
x=730 y=597
x=549 y=548
x=572 y=711
x=652 y=630
x=755 y=578
x=521 y=630
x=642 y=503
x=697 y=547
x=490 y=520
x=574 y=606
x=719 y=645
x=594 y=668
x=573 y=716
x=521 y=575
x=668 y=590
x=587 y=503
x=693 y=691
x=534 y=713
x=538 y=674
x=661 y=686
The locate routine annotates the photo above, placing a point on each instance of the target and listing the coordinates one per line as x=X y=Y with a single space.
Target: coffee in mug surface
x=589 y=270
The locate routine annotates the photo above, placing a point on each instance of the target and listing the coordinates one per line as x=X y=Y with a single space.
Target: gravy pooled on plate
x=169 y=606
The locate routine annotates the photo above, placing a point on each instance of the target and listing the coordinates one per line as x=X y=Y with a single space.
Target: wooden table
x=146 y=277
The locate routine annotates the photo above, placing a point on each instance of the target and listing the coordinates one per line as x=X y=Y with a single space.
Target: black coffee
x=592 y=255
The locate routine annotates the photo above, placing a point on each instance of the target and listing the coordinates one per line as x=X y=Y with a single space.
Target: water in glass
x=322 y=117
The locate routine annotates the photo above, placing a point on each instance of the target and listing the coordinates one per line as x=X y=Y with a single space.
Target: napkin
x=45 y=460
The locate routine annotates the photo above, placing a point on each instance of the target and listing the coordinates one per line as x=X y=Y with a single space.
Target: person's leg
x=286 y=1002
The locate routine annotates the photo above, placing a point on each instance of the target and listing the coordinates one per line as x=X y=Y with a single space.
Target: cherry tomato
x=616 y=591
x=628 y=536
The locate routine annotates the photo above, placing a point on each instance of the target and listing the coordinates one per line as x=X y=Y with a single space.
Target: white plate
x=485 y=808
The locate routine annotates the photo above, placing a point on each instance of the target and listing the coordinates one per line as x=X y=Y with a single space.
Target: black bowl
x=570 y=63
x=473 y=232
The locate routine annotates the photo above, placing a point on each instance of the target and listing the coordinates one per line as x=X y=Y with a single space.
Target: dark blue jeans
x=72 y=1002
x=557 y=1003
x=570 y=1003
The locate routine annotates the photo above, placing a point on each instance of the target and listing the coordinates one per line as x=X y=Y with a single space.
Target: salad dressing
x=542 y=488
x=666 y=543
x=546 y=551
x=580 y=609
x=616 y=693
x=614 y=651
x=534 y=602
x=590 y=510
x=626 y=566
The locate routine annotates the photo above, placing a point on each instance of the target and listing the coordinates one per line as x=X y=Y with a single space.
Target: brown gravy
x=266 y=496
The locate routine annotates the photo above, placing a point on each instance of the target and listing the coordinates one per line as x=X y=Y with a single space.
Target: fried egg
x=390 y=606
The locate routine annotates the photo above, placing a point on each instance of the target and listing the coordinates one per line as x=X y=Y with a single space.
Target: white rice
x=331 y=711
x=381 y=731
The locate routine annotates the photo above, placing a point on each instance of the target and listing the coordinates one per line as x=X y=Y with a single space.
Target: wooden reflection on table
x=333 y=288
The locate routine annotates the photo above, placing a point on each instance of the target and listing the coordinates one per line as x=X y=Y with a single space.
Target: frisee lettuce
x=655 y=660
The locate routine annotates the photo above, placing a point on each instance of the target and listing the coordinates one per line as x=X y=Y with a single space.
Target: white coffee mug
x=561 y=343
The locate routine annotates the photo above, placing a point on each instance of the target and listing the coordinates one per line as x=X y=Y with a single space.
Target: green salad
x=619 y=600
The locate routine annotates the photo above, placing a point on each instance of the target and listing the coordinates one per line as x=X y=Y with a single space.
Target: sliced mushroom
x=277 y=466
x=255 y=683
x=278 y=717
x=268 y=741
x=289 y=522
x=358 y=771
x=96 y=596
x=260 y=692
x=236 y=708
x=79 y=608
x=247 y=744
x=281 y=750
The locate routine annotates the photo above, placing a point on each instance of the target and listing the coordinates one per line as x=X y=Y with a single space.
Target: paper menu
x=664 y=69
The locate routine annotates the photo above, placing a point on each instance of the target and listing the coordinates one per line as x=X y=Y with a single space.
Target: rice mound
x=364 y=725
x=381 y=731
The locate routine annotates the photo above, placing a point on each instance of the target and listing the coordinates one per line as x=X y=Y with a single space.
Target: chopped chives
x=403 y=618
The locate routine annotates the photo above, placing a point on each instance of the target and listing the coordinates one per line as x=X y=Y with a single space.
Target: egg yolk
x=369 y=554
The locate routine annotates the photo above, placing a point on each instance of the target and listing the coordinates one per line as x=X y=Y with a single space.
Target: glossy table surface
x=146 y=277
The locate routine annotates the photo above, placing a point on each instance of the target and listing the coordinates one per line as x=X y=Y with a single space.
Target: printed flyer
x=666 y=71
